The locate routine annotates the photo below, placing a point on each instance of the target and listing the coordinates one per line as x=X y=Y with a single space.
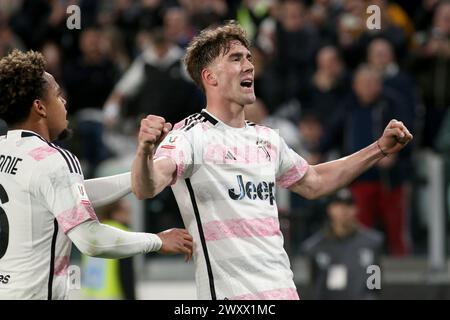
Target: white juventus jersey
x=42 y=198
x=225 y=189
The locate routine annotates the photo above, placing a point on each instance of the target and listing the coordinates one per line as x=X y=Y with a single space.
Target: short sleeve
x=64 y=195
x=177 y=147
x=291 y=166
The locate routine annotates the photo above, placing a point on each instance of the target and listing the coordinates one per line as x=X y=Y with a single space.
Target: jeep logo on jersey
x=262 y=191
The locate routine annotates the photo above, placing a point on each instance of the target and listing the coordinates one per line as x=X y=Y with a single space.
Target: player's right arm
x=64 y=194
x=150 y=176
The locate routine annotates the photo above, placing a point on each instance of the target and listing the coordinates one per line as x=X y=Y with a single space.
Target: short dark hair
x=209 y=44
x=21 y=82
x=342 y=196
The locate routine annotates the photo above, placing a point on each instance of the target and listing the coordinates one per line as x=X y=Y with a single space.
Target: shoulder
x=52 y=157
x=374 y=237
x=196 y=120
x=311 y=244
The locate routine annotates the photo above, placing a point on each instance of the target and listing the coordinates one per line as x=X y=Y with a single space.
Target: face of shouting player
x=234 y=75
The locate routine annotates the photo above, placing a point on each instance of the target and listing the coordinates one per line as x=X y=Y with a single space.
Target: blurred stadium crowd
x=326 y=81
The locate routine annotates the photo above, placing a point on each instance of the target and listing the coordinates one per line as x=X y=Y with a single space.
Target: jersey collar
x=211 y=118
x=19 y=133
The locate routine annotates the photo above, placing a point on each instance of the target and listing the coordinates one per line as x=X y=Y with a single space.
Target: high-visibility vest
x=100 y=277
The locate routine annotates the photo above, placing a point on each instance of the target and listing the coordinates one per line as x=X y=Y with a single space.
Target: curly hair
x=21 y=82
x=208 y=45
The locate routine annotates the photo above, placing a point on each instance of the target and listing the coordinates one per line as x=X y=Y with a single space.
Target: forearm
x=142 y=176
x=336 y=174
x=103 y=191
x=99 y=240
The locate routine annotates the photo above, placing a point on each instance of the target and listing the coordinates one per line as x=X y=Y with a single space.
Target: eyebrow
x=59 y=91
x=240 y=55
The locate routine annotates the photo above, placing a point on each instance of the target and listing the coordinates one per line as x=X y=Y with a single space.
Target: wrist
x=157 y=242
x=145 y=150
x=384 y=153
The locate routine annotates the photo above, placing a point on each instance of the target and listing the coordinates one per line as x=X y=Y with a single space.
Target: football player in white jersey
x=44 y=202
x=223 y=171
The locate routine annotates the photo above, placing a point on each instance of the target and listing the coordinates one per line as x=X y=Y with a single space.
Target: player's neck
x=229 y=113
x=34 y=127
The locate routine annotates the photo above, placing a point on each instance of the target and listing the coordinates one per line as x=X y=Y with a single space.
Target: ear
x=209 y=78
x=39 y=108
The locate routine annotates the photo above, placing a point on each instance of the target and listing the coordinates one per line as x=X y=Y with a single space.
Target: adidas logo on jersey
x=230 y=156
x=261 y=191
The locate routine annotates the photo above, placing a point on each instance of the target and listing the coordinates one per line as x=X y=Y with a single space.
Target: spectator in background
x=310 y=130
x=324 y=15
x=432 y=69
x=423 y=15
x=124 y=15
x=296 y=45
x=206 y=13
x=328 y=85
x=307 y=216
x=156 y=83
x=38 y=21
x=89 y=80
x=340 y=253
x=52 y=54
x=263 y=81
x=350 y=26
x=8 y=40
x=381 y=56
x=177 y=27
x=250 y=14
x=382 y=190
x=110 y=278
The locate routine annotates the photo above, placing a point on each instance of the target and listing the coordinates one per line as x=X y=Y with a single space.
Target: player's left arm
x=325 y=178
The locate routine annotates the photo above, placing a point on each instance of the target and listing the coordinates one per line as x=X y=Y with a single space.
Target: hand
x=395 y=137
x=152 y=132
x=176 y=241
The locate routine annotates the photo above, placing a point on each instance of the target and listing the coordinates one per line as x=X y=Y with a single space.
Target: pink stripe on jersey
x=277 y=294
x=293 y=175
x=41 y=153
x=241 y=228
x=176 y=155
x=69 y=219
x=61 y=265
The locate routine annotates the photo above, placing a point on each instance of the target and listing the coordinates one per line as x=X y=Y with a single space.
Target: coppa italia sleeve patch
x=81 y=193
x=169 y=143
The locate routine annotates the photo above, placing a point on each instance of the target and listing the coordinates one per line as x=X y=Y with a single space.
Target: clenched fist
x=152 y=132
x=176 y=241
x=394 y=138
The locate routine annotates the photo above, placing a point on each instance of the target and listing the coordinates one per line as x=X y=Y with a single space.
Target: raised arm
x=149 y=177
x=325 y=178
